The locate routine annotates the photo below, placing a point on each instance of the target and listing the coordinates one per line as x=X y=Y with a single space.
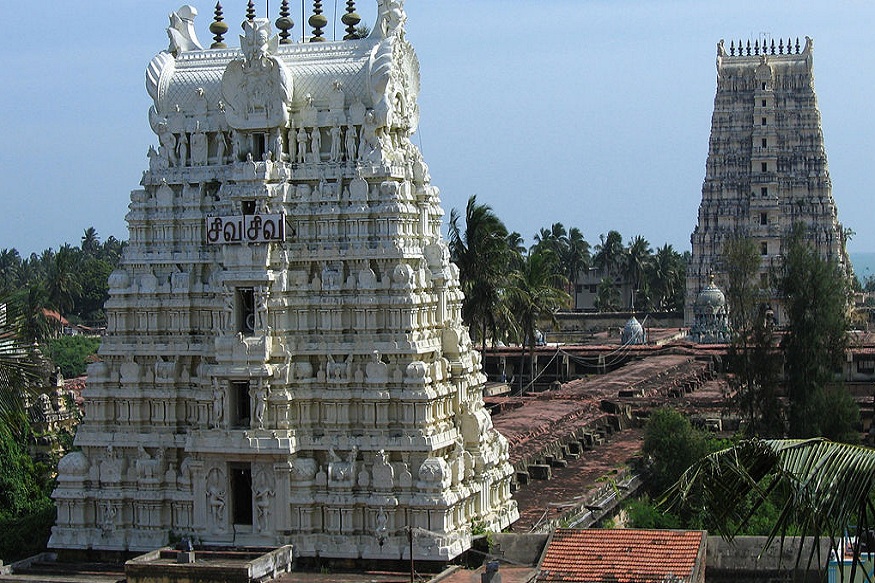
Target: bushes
x=26 y=511
x=26 y=535
x=71 y=353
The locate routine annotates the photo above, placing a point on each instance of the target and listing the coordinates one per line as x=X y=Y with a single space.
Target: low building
x=624 y=555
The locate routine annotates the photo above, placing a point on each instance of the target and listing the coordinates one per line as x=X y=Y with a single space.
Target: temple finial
x=218 y=28
x=318 y=22
x=250 y=11
x=351 y=20
x=284 y=23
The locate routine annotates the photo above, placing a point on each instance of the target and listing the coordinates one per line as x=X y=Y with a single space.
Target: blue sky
x=593 y=113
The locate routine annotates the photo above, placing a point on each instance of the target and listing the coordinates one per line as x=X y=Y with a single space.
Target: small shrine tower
x=766 y=168
x=285 y=360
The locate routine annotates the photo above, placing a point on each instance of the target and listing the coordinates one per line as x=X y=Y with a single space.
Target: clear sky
x=593 y=113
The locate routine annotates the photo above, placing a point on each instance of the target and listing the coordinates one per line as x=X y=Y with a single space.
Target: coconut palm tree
x=553 y=238
x=609 y=253
x=479 y=249
x=18 y=369
x=10 y=266
x=666 y=277
x=90 y=241
x=575 y=258
x=823 y=487
x=62 y=279
x=517 y=248
x=532 y=295
x=637 y=260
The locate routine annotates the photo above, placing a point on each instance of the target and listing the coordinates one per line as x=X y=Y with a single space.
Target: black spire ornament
x=218 y=28
x=284 y=23
x=351 y=20
x=318 y=22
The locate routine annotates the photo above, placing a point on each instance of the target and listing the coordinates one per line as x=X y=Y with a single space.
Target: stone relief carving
x=257 y=89
x=167 y=145
x=377 y=371
x=259 y=403
x=110 y=467
x=341 y=472
x=149 y=468
x=215 y=493
x=199 y=147
x=302 y=139
x=383 y=474
x=391 y=17
x=218 y=407
x=181 y=31
x=263 y=493
x=108 y=514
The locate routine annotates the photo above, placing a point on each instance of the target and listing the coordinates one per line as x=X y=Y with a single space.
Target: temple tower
x=285 y=359
x=767 y=167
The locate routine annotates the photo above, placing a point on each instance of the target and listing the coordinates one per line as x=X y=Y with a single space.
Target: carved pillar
x=282 y=472
x=199 y=495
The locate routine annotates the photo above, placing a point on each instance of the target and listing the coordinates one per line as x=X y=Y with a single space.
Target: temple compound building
x=766 y=167
x=285 y=360
x=710 y=317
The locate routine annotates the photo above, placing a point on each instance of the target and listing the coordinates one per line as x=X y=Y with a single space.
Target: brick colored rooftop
x=620 y=556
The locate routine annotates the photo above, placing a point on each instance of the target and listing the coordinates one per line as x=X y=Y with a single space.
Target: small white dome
x=73 y=464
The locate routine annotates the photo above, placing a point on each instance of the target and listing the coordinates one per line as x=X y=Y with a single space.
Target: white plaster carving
x=290 y=359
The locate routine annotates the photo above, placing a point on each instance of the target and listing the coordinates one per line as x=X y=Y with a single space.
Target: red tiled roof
x=621 y=555
x=53 y=315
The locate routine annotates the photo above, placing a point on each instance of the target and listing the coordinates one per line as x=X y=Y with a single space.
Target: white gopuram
x=285 y=359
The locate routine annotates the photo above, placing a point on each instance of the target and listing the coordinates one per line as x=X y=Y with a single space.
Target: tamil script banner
x=246 y=228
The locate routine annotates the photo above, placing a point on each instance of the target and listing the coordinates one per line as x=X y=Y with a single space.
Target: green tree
x=609 y=253
x=18 y=368
x=637 y=258
x=34 y=327
x=90 y=242
x=533 y=296
x=62 y=281
x=665 y=279
x=607 y=296
x=72 y=354
x=671 y=445
x=575 y=258
x=93 y=292
x=479 y=249
x=112 y=249
x=553 y=239
x=10 y=266
x=815 y=293
x=754 y=359
x=821 y=488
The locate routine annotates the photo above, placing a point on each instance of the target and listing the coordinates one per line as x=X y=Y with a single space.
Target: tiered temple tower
x=285 y=359
x=766 y=166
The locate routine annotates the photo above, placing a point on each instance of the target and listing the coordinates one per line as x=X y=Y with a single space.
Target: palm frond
x=822 y=487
